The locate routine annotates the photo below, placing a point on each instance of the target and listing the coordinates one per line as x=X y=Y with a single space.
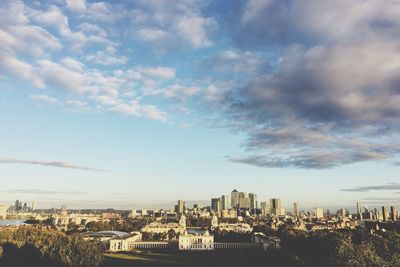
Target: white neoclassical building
x=125 y=242
x=157 y=227
x=196 y=241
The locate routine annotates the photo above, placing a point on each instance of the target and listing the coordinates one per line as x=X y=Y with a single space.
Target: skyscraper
x=276 y=206
x=384 y=213
x=216 y=204
x=253 y=201
x=234 y=199
x=359 y=212
x=264 y=208
x=224 y=202
x=18 y=206
x=342 y=213
x=295 y=209
x=319 y=213
x=393 y=214
x=180 y=207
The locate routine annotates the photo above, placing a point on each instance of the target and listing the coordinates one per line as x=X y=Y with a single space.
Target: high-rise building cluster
x=247 y=203
x=22 y=207
x=384 y=214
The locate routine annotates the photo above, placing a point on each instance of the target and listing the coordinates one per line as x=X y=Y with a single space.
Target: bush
x=28 y=246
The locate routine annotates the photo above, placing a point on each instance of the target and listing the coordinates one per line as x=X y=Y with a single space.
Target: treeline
x=340 y=248
x=28 y=246
x=115 y=225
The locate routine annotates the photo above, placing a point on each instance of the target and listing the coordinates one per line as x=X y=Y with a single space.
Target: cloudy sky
x=138 y=104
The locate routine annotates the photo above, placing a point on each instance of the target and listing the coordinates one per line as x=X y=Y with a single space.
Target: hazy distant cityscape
x=163 y=133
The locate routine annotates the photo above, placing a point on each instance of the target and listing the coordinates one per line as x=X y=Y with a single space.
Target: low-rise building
x=3 y=212
x=268 y=242
x=125 y=242
x=103 y=236
x=203 y=241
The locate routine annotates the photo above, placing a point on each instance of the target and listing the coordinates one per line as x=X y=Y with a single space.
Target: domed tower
x=182 y=221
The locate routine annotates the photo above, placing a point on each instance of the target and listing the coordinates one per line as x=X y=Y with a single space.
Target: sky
x=136 y=104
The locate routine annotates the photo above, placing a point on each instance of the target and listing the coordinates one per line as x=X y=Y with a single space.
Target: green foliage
x=28 y=246
x=342 y=248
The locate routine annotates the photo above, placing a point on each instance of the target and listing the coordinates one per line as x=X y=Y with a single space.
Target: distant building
x=393 y=214
x=230 y=227
x=216 y=204
x=196 y=241
x=157 y=227
x=180 y=207
x=234 y=199
x=264 y=208
x=295 y=209
x=359 y=211
x=384 y=214
x=276 y=207
x=319 y=213
x=253 y=201
x=224 y=202
x=133 y=213
x=342 y=213
x=244 y=201
x=3 y=212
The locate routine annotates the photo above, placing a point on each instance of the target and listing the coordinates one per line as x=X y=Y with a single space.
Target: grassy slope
x=145 y=259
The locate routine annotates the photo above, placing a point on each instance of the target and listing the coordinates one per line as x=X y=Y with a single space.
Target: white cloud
x=152 y=35
x=93 y=29
x=159 y=72
x=154 y=113
x=53 y=17
x=45 y=98
x=178 y=91
x=60 y=76
x=72 y=64
x=76 y=5
x=107 y=58
x=101 y=11
x=194 y=30
x=19 y=68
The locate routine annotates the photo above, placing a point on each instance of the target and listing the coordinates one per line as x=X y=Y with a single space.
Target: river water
x=12 y=222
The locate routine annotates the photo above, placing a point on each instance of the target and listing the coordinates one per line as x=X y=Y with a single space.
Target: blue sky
x=116 y=104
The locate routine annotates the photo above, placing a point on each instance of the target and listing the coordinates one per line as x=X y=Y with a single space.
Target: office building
x=359 y=212
x=276 y=207
x=319 y=213
x=393 y=214
x=264 y=208
x=253 y=201
x=244 y=203
x=180 y=207
x=239 y=200
x=295 y=209
x=3 y=211
x=224 y=202
x=216 y=204
x=342 y=213
x=384 y=214
x=234 y=199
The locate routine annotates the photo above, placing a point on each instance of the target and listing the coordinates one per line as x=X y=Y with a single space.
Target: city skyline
x=135 y=105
